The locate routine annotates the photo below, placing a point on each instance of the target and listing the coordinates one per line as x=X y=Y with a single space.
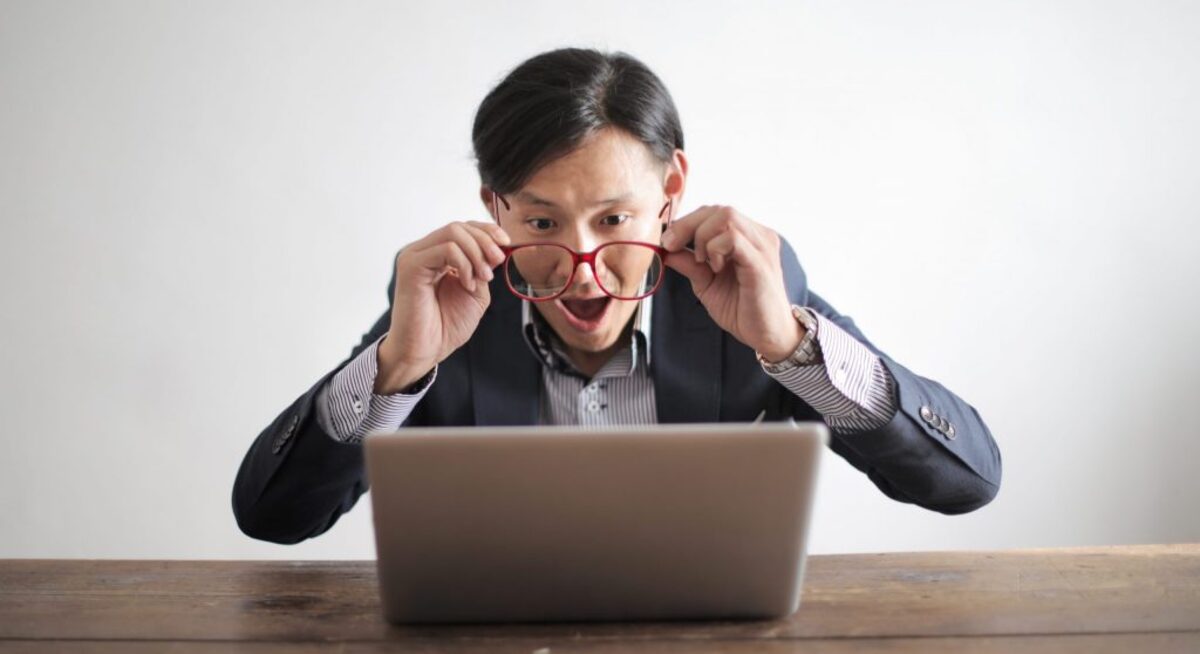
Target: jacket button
x=287 y=433
x=926 y=414
x=950 y=432
x=942 y=424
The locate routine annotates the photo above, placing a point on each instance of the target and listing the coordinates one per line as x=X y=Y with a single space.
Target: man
x=586 y=301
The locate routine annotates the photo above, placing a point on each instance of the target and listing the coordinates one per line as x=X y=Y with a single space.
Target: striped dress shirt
x=847 y=384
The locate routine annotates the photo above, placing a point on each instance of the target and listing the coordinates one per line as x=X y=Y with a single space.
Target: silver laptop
x=547 y=524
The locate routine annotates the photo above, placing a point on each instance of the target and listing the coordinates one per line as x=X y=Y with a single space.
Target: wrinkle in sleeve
x=348 y=408
x=851 y=388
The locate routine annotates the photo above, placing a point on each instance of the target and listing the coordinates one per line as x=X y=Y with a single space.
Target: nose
x=584 y=277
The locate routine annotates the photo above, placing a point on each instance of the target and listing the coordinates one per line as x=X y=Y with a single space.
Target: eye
x=619 y=218
x=540 y=224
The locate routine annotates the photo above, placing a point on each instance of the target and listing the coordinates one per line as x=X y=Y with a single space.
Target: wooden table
x=1108 y=599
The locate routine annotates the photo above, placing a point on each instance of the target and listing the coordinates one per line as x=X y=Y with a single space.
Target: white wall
x=200 y=201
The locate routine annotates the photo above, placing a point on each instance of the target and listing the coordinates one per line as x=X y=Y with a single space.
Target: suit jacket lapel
x=686 y=355
x=505 y=377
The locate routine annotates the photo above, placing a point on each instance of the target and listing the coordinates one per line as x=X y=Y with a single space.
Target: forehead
x=609 y=166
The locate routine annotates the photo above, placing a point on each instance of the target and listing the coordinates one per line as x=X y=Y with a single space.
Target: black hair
x=551 y=102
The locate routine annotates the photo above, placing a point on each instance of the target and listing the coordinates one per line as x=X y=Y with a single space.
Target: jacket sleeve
x=296 y=480
x=935 y=452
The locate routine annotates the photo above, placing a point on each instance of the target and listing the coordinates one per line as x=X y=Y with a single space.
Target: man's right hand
x=440 y=296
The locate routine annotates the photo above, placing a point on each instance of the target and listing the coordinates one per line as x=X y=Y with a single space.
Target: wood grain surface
x=1143 y=598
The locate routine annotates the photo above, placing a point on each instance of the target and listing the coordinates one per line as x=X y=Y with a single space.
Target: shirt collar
x=545 y=346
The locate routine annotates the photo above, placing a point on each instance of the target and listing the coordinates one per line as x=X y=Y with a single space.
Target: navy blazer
x=296 y=481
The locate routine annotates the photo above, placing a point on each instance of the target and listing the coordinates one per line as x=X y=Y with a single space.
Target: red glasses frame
x=576 y=258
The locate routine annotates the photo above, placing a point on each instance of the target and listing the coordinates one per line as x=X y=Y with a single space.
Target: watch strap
x=806 y=353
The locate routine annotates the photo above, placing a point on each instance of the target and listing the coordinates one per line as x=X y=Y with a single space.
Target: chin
x=590 y=343
x=593 y=342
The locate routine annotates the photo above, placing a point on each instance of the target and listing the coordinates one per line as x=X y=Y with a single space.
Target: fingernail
x=668 y=239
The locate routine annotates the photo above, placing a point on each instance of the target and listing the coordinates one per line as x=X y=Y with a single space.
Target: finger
x=681 y=231
x=717 y=223
x=460 y=262
x=448 y=255
x=699 y=274
x=497 y=232
x=718 y=249
x=484 y=293
x=487 y=243
x=759 y=237
x=466 y=240
x=433 y=239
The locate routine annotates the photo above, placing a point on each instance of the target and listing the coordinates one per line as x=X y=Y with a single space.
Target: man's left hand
x=736 y=274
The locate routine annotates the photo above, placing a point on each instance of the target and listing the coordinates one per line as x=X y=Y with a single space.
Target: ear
x=675 y=182
x=485 y=196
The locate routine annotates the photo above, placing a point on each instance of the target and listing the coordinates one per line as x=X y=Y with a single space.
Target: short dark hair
x=551 y=102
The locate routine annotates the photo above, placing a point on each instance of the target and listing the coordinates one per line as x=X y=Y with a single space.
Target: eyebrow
x=542 y=202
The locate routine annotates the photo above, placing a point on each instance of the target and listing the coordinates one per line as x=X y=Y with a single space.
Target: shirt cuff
x=352 y=409
x=851 y=388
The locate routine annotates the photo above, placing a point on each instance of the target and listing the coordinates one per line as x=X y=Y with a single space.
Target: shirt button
x=591 y=388
x=840 y=375
x=593 y=406
x=358 y=406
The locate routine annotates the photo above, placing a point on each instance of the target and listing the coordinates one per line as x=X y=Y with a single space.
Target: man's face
x=610 y=188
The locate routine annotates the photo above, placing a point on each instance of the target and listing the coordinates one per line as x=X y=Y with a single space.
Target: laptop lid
x=555 y=523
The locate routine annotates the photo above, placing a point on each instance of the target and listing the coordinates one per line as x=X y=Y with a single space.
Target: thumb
x=699 y=273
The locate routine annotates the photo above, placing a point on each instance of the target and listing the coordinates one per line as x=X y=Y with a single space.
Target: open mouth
x=585 y=314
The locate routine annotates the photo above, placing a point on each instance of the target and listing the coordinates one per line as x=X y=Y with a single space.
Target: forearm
x=847 y=383
x=349 y=408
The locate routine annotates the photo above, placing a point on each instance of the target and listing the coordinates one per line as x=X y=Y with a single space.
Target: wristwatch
x=806 y=353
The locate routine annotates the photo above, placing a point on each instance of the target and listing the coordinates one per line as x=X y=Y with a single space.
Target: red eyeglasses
x=624 y=270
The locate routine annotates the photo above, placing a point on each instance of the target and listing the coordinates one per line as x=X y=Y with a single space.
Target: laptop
x=563 y=523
